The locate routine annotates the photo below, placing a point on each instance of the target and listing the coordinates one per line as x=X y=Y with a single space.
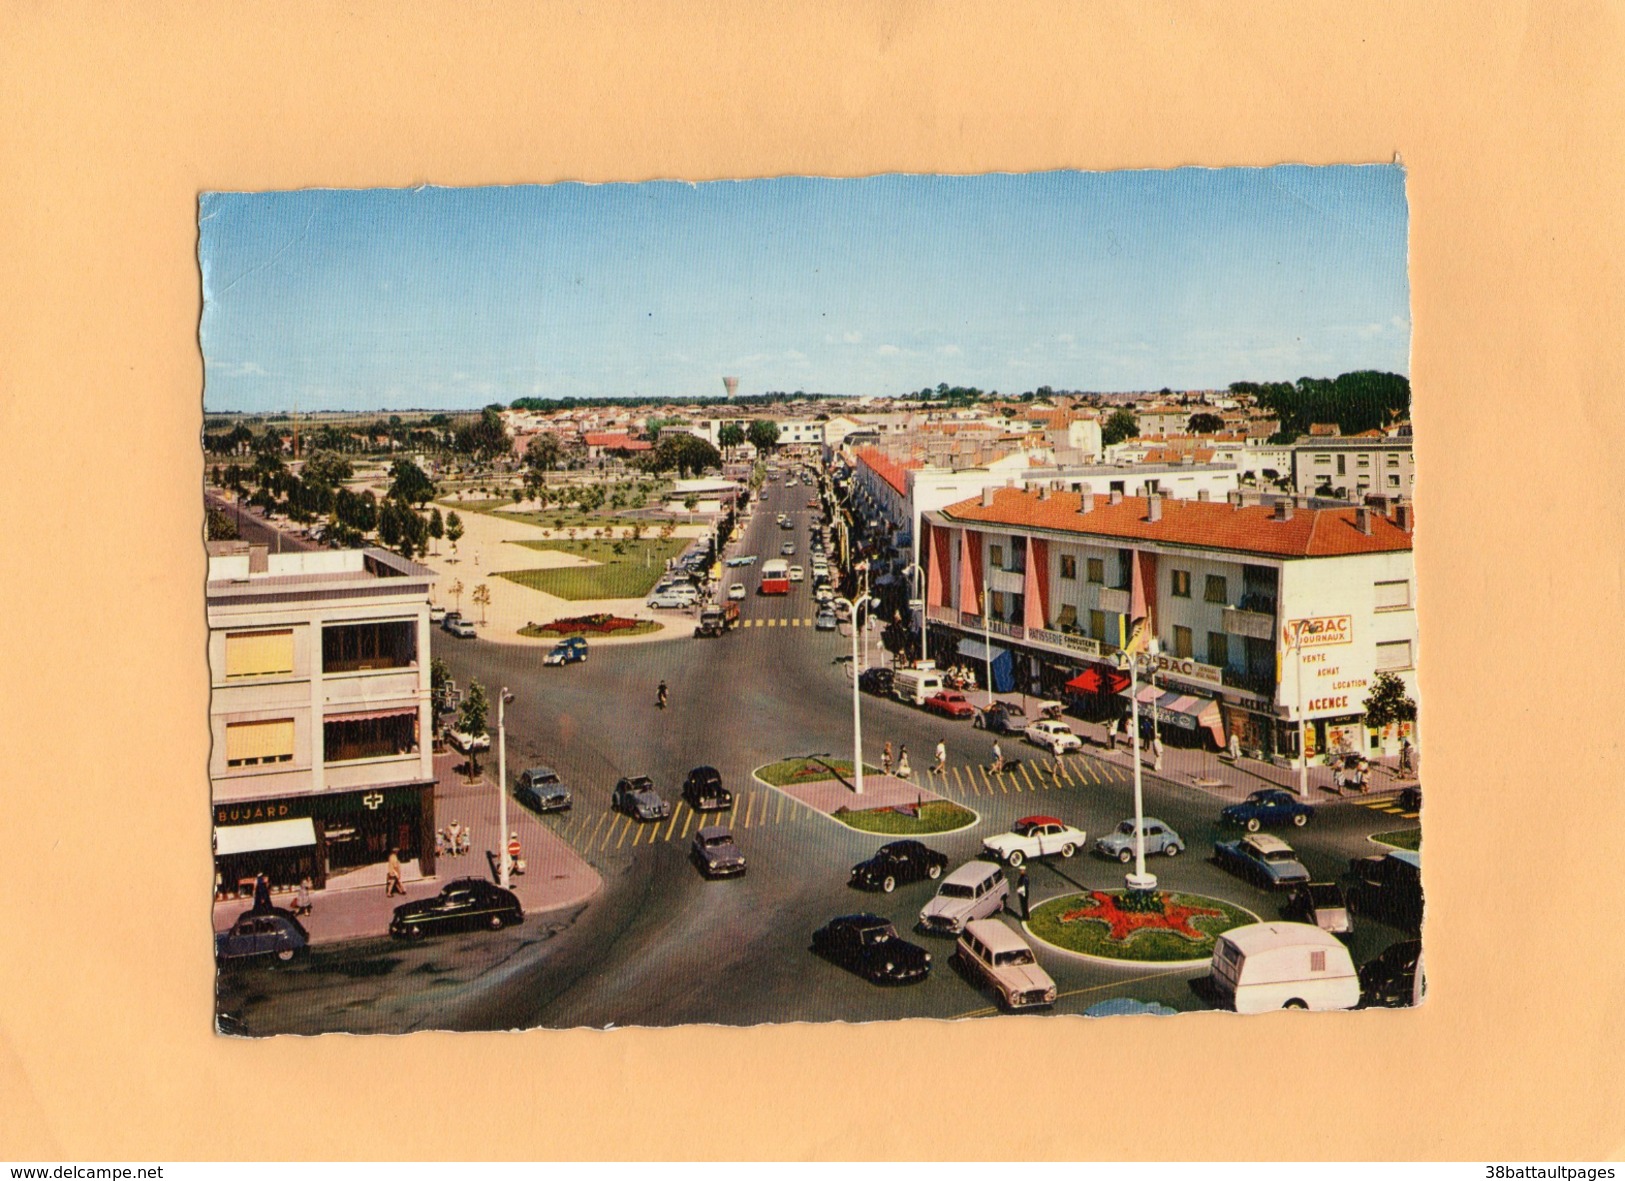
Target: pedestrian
x=463 y=840
x=998 y=758
x=262 y=892
x=392 y=875
x=1405 y=755
x=940 y=767
x=1021 y=891
x=904 y=771
x=1156 y=753
x=441 y=844
x=516 y=863
x=885 y=759
x=301 y=897
x=1111 y=734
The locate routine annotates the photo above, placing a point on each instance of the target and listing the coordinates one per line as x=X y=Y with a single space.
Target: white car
x=736 y=591
x=672 y=600
x=1036 y=836
x=437 y=615
x=994 y=953
x=1056 y=737
x=467 y=743
x=797 y=574
x=461 y=628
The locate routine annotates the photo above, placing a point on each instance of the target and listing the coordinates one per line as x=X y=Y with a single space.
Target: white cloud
x=852 y=337
x=239 y=369
x=794 y=355
x=888 y=350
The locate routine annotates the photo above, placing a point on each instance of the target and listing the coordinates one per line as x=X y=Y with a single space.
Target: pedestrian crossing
x=606 y=832
x=1388 y=806
x=781 y=621
x=972 y=780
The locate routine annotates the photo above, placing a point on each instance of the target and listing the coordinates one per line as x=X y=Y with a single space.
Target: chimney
x=1043 y=492
x=1362 y=520
x=1235 y=498
x=1283 y=509
x=1086 y=499
x=1405 y=517
x=1153 y=507
x=987 y=497
x=259 y=560
x=1203 y=495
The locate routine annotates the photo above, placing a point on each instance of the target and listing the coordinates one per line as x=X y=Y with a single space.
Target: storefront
x=1254 y=731
x=987 y=659
x=1095 y=688
x=1187 y=716
x=285 y=851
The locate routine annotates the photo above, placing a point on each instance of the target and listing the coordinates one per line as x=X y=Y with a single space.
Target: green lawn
x=1402 y=838
x=790 y=771
x=935 y=816
x=1149 y=945
x=628 y=575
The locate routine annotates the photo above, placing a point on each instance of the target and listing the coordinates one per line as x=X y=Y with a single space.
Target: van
x=976 y=890
x=1267 y=966
x=916 y=685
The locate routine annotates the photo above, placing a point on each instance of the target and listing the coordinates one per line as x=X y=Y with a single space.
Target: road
x=661 y=946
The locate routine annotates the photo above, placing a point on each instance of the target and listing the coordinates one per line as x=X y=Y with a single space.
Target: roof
x=888 y=469
x=1208 y=524
x=616 y=441
x=1257 y=937
x=995 y=936
x=971 y=872
x=1264 y=843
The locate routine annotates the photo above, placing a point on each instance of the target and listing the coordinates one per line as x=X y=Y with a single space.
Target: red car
x=951 y=704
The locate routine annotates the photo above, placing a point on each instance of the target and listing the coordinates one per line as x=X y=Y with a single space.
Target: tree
x=1388 y=704
x=454 y=529
x=220 y=526
x=1119 y=426
x=689 y=454
x=472 y=719
x=455 y=590
x=389 y=523
x=484 y=438
x=482 y=599
x=543 y=453
x=1204 y=423
x=437 y=524
x=409 y=483
x=691 y=502
x=439 y=685
x=763 y=434
x=730 y=435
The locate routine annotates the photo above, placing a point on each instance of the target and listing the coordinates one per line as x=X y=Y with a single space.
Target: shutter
x=259 y=741
x=1394 y=655
x=1393 y=594
x=259 y=654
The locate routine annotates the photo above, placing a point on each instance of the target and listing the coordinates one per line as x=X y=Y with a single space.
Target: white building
x=1354 y=467
x=319 y=712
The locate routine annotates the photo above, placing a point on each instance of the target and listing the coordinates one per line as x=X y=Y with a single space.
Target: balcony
x=1114 y=599
x=1262 y=683
x=1254 y=625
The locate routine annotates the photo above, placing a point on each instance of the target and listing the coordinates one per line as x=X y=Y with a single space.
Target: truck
x=717 y=619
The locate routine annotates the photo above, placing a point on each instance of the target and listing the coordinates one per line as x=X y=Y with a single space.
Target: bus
x=775 y=578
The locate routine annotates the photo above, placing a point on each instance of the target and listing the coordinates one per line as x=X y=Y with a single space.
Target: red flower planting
x=1125 y=924
x=601 y=623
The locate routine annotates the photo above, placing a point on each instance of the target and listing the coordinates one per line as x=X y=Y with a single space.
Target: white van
x=914 y=685
x=1268 y=966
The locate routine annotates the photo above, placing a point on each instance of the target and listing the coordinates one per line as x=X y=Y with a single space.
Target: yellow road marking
x=958 y=782
x=1094 y=773
x=987 y=783
x=687 y=820
x=643 y=828
x=610 y=832
x=991 y=1009
x=1410 y=815
x=624 y=831
x=674 y=813
x=594 y=835
x=1024 y=774
x=750 y=802
x=796 y=622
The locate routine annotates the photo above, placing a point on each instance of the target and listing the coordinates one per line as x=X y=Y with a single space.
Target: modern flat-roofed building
x=320 y=713
x=1355 y=466
x=1267 y=613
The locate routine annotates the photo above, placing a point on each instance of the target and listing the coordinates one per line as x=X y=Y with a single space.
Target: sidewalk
x=354 y=906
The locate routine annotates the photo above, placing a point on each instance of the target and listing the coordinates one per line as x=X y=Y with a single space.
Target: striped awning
x=1188 y=711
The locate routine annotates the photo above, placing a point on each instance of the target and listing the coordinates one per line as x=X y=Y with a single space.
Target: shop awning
x=371 y=715
x=976 y=650
x=1098 y=678
x=1185 y=710
x=261 y=838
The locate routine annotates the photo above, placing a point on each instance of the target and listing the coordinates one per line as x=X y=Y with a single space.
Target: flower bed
x=933 y=816
x=601 y=624
x=1176 y=928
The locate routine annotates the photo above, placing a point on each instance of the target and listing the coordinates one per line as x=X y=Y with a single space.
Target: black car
x=464 y=903
x=1389 y=981
x=704 y=791
x=1410 y=798
x=263 y=932
x=897 y=864
x=870 y=946
x=1388 y=886
x=876 y=680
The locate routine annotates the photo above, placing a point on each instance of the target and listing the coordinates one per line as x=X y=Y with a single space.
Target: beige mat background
x=1509 y=119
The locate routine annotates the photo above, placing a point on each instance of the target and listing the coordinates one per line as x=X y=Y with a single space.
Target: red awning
x=1098 y=678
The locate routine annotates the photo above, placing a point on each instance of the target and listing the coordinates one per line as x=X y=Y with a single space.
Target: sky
x=442 y=298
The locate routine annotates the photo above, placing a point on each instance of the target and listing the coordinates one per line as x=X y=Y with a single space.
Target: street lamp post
x=987 y=640
x=502 y=786
x=852 y=606
x=1139 y=879
x=920 y=582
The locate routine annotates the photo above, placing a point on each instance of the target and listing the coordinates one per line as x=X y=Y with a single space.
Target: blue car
x=570 y=651
x=1266 y=808
x=1268 y=860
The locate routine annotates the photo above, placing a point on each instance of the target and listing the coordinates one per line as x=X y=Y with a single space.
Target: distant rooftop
x=236 y=566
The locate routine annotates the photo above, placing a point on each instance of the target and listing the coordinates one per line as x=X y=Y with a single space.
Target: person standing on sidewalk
x=1111 y=735
x=904 y=771
x=1021 y=891
x=392 y=875
x=1156 y=754
x=885 y=758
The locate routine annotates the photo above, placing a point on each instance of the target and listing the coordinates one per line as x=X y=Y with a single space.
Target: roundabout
x=1177 y=930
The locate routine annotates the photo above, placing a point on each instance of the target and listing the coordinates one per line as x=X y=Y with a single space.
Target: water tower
x=731 y=384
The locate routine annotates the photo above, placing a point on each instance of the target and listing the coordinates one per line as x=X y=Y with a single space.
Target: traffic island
x=889 y=805
x=1176 y=929
x=1400 y=838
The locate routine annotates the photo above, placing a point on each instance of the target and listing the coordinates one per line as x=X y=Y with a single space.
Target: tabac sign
x=1318 y=631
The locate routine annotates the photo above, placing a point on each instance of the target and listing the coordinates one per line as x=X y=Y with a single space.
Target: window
x=995 y=556
x=355 y=647
x=1216 y=591
x=1069 y=566
x=369 y=736
x=1018 y=556
x=252 y=744
x=1317 y=961
x=1393 y=480
x=1097 y=625
x=1323 y=459
x=1218 y=649
x=1391 y=596
x=1363 y=461
x=259 y=654
x=1393 y=461
x=1181 y=580
x=998 y=604
x=1182 y=642
x=1393 y=656
x=1097 y=570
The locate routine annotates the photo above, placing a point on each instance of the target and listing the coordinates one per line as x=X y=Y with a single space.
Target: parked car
x=262 y=932
x=1268 y=860
x=672 y=600
x=871 y=947
x=1410 y=798
x=788 y=549
x=1055 y=737
x=716 y=854
x=973 y=891
x=1266 y=966
x=468 y=743
x=1159 y=838
x=1266 y=808
x=1035 y=836
x=797 y=574
x=950 y=704
x=1388 y=886
x=1395 y=979
x=736 y=591
x=464 y=903
x=448 y=618
x=876 y=680
x=898 y=864
x=990 y=952
x=637 y=797
x=741 y=560
x=572 y=650
x=1320 y=904
x=437 y=615
x=542 y=789
x=461 y=628
x=1002 y=717
x=704 y=791
x=826 y=621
